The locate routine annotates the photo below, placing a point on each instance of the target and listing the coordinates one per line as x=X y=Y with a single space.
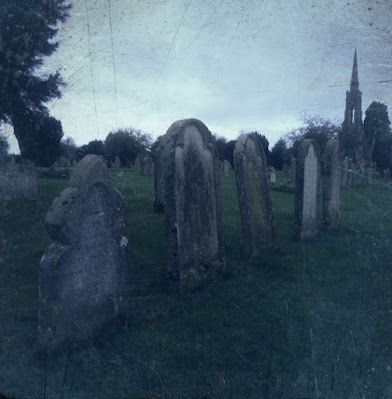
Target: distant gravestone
x=84 y=274
x=146 y=166
x=306 y=191
x=331 y=185
x=117 y=162
x=344 y=172
x=387 y=174
x=159 y=186
x=251 y=171
x=193 y=217
x=226 y=167
x=272 y=176
x=292 y=171
x=18 y=182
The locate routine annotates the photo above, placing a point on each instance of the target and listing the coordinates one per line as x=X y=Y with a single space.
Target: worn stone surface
x=251 y=171
x=331 y=185
x=18 y=182
x=84 y=274
x=226 y=167
x=117 y=162
x=158 y=151
x=146 y=166
x=193 y=218
x=306 y=190
x=272 y=175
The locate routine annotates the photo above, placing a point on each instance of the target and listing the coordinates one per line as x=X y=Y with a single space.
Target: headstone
x=117 y=162
x=387 y=174
x=18 y=181
x=193 y=216
x=226 y=167
x=251 y=171
x=272 y=176
x=344 y=172
x=146 y=166
x=84 y=274
x=156 y=153
x=291 y=174
x=306 y=190
x=350 y=173
x=331 y=185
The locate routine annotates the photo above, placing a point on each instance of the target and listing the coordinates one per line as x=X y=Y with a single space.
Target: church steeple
x=354 y=76
x=351 y=136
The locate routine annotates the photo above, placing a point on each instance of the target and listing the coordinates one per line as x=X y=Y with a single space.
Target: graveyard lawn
x=311 y=320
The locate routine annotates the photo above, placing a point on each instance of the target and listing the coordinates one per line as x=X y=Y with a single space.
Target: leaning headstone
x=146 y=166
x=117 y=162
x=251 y=171
x=226 y=167
x=306 y=190
x=272 y=176
x=84 y=274
x=331 y=185
x=193 y=217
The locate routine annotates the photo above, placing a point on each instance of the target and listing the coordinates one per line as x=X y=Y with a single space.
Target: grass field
x=312 y=320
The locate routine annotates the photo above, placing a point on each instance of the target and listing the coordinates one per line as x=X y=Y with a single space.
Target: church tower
x=351 y=136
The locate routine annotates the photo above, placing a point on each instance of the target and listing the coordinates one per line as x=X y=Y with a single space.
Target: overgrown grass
x=310 y=321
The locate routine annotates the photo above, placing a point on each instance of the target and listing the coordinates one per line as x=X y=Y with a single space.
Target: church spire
x=354 y=77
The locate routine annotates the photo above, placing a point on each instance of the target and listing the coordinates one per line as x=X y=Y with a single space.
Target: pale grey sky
x=235 y=64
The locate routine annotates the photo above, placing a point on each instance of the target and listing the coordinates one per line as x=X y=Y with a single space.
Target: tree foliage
x=39 y=136
x=126 y=143
x=377 y=135
x=279 y=155
x=27 y=33
x=317 y=128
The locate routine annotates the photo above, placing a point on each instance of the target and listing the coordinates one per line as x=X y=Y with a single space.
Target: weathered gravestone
x=250 y=167
x=226 y=167
x=193 y=217
x=84 y=274
x=272 y=175
x=306 y=190
x=344 y=172
x=146 y=166
x=331 y=185
x=117 y=162
x=156 y=152
x=18 y=182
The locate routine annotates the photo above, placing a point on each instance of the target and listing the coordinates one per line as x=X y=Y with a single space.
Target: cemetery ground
x=311 y=320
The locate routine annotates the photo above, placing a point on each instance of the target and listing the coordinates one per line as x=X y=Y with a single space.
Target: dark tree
x=39 y=136
x=377 y=130
x=27 y=33
x=4 y=147
x=279 y=155
x=126 y=144
x=317 y=128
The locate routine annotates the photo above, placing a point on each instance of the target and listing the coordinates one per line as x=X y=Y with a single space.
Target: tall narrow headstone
x=272 y=176
x=306 y=190
x=117 y=162
x=331 y=185
x=84 y=274
x=344 y=172
x=226 y=167
x=251 y=171
x=146 y=166
x=193 y=217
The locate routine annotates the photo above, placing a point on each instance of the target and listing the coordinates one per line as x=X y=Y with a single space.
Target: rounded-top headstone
x=251 y=171
x=190 y=172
